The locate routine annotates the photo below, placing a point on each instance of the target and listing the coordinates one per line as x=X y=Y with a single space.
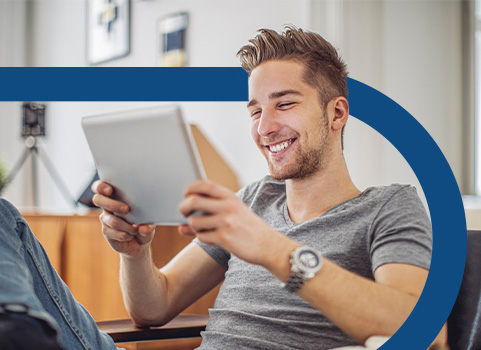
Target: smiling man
x=308 y=261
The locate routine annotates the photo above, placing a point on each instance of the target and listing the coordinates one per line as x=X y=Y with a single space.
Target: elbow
x=154 y=318
x=145 y=322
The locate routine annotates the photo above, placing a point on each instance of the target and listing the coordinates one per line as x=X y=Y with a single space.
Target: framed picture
x=171 y=42
x=108 y=30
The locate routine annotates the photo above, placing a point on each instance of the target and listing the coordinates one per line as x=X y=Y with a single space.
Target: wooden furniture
x=183 y=326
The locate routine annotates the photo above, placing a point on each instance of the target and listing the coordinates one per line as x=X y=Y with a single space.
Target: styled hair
x=324 y=70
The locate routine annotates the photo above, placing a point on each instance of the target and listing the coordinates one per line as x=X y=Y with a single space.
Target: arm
x=360 y=307
x=153 y=296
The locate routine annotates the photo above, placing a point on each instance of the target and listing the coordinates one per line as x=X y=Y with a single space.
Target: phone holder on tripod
x=33 y=127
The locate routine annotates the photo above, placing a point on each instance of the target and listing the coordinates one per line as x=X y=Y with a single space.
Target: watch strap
x=294 y=282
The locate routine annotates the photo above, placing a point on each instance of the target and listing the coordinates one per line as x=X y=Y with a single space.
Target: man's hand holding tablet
x=123 y=237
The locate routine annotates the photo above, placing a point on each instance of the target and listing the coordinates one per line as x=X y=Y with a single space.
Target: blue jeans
x=27 y=277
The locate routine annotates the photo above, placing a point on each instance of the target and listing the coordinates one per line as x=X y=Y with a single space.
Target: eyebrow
x=275 y=95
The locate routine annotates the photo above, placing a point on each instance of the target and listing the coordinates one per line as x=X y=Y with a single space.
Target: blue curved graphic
x=445 y=206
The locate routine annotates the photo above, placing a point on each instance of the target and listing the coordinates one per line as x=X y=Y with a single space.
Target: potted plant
x=3 y=175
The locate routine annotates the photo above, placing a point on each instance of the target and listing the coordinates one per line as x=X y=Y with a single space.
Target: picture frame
x=108 y=30
x=172 y=40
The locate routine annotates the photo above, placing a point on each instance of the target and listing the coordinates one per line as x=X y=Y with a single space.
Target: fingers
x=102 y=198
x=207 y=188
x=198 y=203
x=123 y=237
x=116 y=229
x=146 y=233
x=205 y=237
x=110 y=204
x=114 y=222
x=102 y=188
x=115 y=235
x=146 y=229
x=200 y=226
x=186 y=230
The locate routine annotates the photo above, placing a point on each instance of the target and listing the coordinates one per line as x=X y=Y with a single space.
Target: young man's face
x=287 y=120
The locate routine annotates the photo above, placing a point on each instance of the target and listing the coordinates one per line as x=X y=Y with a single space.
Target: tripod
x=31 y=149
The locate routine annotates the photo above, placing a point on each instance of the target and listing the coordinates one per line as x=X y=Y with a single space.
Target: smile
x=278 y=147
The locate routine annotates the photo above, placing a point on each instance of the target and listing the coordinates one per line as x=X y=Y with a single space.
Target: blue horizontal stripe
x=123 y=84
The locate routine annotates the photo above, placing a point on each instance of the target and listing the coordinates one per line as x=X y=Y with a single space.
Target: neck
x=310 y=197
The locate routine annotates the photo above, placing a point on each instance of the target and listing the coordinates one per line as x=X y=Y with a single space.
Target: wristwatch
x=305 y=263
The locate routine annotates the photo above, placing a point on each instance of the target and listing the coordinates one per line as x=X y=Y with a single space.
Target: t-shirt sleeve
x=217 y=253
x=401 y=231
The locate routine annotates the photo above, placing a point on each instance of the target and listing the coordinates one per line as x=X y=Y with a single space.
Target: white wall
x=425 y=61
x=13 y=47
x=409 y=50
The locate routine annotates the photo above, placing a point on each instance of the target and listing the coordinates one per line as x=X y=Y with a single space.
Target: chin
x=294 y=172
x=283 y=174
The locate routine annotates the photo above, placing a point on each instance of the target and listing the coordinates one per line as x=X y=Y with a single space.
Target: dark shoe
x=19 y=331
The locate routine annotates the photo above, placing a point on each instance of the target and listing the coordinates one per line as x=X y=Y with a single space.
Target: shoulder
x=386 y=192
x=394 y=204
x=374 y=199
x=266 y=188
x=401 y=230
x=394 y=194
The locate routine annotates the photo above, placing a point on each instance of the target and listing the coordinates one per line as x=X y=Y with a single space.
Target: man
x=352 y=264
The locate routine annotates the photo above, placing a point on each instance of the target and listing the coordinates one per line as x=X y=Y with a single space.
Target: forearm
x=359 y=306
x=144 y=288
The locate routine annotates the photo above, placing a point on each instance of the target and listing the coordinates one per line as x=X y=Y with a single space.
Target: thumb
x=146 y=233
x=146 y=230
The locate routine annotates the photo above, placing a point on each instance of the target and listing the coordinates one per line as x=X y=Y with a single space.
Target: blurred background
x=419 y=53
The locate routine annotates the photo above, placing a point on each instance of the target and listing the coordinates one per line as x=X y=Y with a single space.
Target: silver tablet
x=149 y=156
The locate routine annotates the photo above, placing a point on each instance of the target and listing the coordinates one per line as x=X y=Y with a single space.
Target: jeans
x=28 y=278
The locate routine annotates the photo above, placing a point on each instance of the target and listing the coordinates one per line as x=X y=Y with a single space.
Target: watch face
x=309 y=259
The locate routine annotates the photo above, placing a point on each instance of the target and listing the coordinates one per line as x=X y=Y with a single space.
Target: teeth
x=279 y=147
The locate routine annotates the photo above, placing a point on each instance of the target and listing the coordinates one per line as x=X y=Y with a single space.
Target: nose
x=268 y=124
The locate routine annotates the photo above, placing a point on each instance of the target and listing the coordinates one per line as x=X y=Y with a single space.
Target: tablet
x=149 y=156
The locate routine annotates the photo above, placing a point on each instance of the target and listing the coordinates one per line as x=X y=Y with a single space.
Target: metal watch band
x=294 y=282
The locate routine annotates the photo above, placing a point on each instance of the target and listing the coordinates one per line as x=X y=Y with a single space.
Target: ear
x=340 y=107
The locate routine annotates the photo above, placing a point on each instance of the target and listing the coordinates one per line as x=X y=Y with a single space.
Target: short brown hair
x=323 y=68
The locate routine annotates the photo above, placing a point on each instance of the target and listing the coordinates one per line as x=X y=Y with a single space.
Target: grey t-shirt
x=381 y=225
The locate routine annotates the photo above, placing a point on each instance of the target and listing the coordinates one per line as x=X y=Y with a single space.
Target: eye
x=256 y=113
x=285 y=105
